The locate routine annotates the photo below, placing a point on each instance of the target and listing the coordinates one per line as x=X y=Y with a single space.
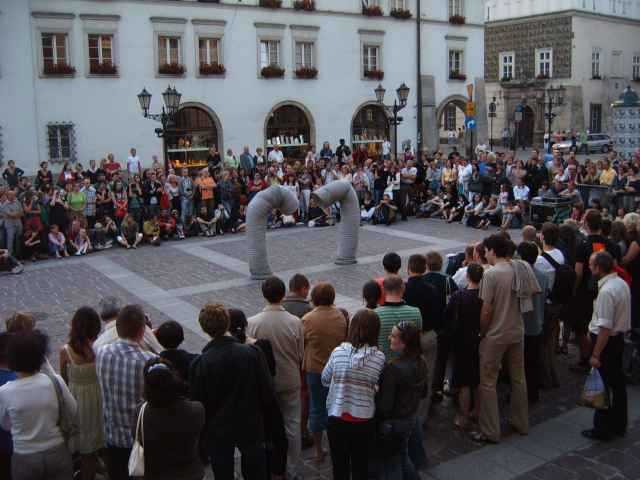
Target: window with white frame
x=269 y=53
x=456 y=58
x=370 y=58
x=399 y=5
x=636 y=66
x=507 y=64
x=544 y=62
x=169 y=50
x=616 y=63
x=456 y=7
x=55 y=49
x=100 y=50
x=304 y=55
x=61 y=142
x=209 y=51
x=595 y=63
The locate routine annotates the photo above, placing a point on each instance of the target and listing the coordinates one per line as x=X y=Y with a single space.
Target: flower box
x=542 y=76
x=271 y=3
x=372 y=11
x=105 y=68
x=308 y=5
x=506 y=79
x=457 y=76
x=58 y=69
x=212 y=69
x=457 y=19
x=400 y=13
x=272 y=71
x=374 y=74
x=307 y=73
x=171 y=69
x=596 y=77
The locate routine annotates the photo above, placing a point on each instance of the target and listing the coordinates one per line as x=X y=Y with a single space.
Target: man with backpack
x=561 y=279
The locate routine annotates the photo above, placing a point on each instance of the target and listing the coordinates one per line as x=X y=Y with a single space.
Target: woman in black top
x=463 y=317
x=12 y=174
x=171 y=425
x=43 y=176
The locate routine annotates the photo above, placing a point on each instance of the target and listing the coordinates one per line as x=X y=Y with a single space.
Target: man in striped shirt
x=394 y=311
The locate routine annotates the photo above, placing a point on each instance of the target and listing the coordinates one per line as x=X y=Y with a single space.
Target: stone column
x=430 y=137
x=482 y=121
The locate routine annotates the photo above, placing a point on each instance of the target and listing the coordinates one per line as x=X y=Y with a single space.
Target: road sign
x=470 y=122
x=471 y=109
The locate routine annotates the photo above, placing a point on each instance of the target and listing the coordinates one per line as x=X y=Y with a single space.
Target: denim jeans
x=186 y=209
x=317 y=403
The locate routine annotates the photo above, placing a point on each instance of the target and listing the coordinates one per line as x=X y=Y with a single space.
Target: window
x=456 y=7
x=507 y=60
x=54 y=49
x=304 y=55
x=636 y=66
x=169 y=51
x=370 y=58
x=595 y=118
x=399 y=5
x=269 y=53
x=455 y=61
x=616 y=63
x=100 y=52
x=595 y=63
x=61 y=142
x=209 y=51
x=450 y=117
x=544 y=63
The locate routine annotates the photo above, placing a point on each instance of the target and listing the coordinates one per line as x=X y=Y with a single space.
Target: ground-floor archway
x=450 y=119
x=370 y=127
x=196 y=129
x=526 y=127
x=289 y=125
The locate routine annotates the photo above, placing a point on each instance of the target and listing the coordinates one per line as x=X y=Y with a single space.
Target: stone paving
x=176 y=279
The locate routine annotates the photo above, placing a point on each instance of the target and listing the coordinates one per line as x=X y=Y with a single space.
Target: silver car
x=596 y=142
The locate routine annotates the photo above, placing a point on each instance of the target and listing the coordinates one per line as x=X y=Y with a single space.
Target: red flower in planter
x=457 y=76
x=372 y=11
x=457 y=19
x=308 y=5
x=307 y=73
x=171 y=69
x=374 y=74
x=58 y=69
x=212 y=69
x=104 y=68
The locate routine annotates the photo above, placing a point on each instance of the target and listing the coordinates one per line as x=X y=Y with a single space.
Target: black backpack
x=565 y=280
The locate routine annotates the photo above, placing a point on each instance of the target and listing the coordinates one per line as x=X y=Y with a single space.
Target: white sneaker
x=17 y=269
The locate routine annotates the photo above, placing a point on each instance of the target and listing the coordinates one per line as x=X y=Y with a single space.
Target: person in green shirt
x=76 y=201
x=394 y=311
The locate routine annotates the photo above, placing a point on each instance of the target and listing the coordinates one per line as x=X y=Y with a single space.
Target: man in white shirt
x=550 y=234
x=386 y=150
x=408 y=176
x=610 y=321
x=276 y=155
x=133 y=163
x=465 y=170
x=520 y=191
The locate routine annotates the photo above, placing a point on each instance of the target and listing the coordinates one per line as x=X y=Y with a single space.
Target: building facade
x=591 y=47
x=70 y=71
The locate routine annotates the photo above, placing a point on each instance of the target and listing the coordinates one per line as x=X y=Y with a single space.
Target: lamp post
x=517 y=119
x=492 y=115
x=171 y=98
x=554 y=96
x=398 y=104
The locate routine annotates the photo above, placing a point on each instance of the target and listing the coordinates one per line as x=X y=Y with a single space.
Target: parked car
x=596 y=142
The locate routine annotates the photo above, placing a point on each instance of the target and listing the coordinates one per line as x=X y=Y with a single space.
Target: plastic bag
x=594 y=394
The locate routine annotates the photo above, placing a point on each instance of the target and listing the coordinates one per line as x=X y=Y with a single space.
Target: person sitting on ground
x=167 y=225
x=31 y=239
x=151 y=229
x=318 y=216
x=10 y=263
x=510 y=215
x=57 y=242
x=170 y=336
x=82 y=243
x=129 y=236
x=385 y=212
x=109 y=307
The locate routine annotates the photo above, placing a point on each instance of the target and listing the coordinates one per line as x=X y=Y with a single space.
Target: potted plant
x=400 y=13
x=372 y=11
x=307 y=73
x=506 y=78
x=58 y=69
x=271 y=3
x=308 y=5
x=104 y=68
x=272 y=71
x=596 y=77
x=374 y=74
x=212 y=69
x=171 y=69
x=457 y=19
x=457 y=76
x=542 y=76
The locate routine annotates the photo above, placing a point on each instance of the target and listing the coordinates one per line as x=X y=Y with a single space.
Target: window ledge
x=66 y=75
x=103 y=75
x=216 y=75
x=170 y=75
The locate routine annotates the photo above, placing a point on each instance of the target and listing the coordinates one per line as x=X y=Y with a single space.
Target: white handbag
x=136 y=459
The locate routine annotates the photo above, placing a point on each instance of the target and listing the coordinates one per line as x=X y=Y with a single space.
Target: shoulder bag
x=136 y=459
x=66 y=422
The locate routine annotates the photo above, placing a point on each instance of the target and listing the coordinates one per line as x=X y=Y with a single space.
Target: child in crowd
x=151 y=229
x=57 y=242
x=207 y=222
x=82 y=243
x=31 y=244
x=170 y=334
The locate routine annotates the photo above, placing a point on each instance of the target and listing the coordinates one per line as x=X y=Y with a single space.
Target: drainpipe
x=419 y=81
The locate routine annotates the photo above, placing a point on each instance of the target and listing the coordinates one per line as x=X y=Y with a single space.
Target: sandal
x=480 y=437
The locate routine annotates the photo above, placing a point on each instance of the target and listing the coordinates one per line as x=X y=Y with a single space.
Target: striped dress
x=352 y=376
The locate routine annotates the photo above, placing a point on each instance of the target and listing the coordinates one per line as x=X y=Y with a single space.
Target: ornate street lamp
x=492 y=115
x=554 y=97
x=398 y=104
x=171 y=98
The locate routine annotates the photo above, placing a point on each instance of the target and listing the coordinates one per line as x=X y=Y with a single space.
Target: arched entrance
x=369 y=129
x=290 y=126
x=196 y=130
x=526 y=127
x=450 y=117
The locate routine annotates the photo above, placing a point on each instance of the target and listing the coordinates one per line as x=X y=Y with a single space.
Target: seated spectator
x=170 y=336
x=57 y=242
x=151 y=229
x=167 y=225
x=170 y=425
x=207 y=222
x=31 y=405
x=31 y=241
x=82 y=243
x=9 y=263
x=491 y=214
x=511 y=216
x=129 y=236
x=385 y=212
x=318 y=216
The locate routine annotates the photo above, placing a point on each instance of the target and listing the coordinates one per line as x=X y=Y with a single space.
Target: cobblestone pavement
x=176 y=279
